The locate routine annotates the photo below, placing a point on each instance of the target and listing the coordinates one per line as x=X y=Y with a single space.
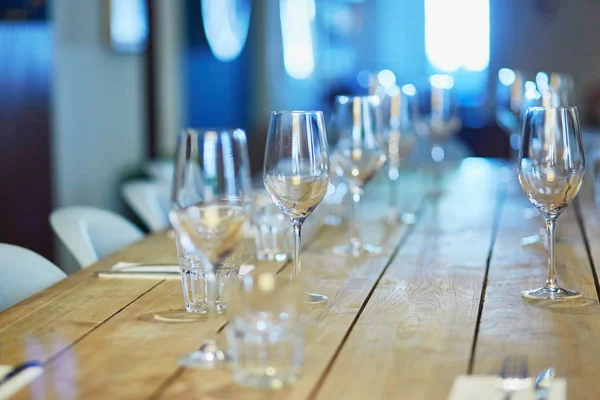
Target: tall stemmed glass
x=211 y=197
x=400 y=141
x=358 y=155
x=438 y=121
x=296 y=171
x=551 y=168
x=510 y=95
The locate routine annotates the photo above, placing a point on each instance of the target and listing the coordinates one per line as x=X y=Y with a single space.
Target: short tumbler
x=265 y=335
x=273 y=234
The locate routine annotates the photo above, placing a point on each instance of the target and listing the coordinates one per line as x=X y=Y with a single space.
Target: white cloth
x=483 y=387
x=148 y=271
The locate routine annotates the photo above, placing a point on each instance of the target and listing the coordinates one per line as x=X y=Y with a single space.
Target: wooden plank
x=129 y=355
x=348 y=282
x=152 y=349
x=416 y=332
x=563 y=335
x=52 y=320
x=88 y=370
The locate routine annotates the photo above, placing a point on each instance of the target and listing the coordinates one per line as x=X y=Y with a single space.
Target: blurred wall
x=553 y=36
x=169 y=23
x=98 y=105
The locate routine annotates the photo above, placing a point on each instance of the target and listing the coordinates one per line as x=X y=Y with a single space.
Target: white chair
x=24 y=273
x=150 y=201
x=91 y=233
x=161 y=169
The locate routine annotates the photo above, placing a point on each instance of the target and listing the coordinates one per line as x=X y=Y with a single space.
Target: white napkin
x=14 y=384
x=148 y=271
x=483 y=387
x=137 y=267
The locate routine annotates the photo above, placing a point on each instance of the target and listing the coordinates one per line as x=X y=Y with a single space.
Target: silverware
x=20 y=369
x=138 y=274
x=543 y=383
x=514 y=376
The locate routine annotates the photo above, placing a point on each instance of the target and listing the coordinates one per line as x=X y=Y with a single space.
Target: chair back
x=91 y=233
x=24 y=273
x=150 y=201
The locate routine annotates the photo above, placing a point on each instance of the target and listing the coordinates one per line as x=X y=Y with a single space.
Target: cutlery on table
x=18 y=377
x=543 y=382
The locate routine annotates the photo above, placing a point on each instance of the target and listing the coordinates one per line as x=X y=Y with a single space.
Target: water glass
x=203 y=289
x=265 y=335
x=273 y=234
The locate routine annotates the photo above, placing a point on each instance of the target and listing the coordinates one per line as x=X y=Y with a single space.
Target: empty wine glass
x=296 y=171
x=211 y=197
x=400 y=140
x=551 y=168
x=358 y=155
x=510 y=95
x=438 y=121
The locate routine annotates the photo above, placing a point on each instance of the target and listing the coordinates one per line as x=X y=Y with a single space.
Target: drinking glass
x=510 y=95
x=211 y=197
x=438 y=120
x=296 y=171
x=551 y=168
x=358 y=155
x=400 y=141
x=273 y=237
x=265 y=335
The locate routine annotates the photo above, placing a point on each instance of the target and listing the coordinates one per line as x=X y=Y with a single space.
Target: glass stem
x=354 y=236
x=393 y=175
x=297 y=224
x=551 y=236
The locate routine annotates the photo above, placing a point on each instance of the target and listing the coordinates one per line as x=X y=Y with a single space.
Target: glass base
x=315 y=298
x=356 y=250
x=265 y=379
x=548 y=293
x=208 y=356
x=405 y=218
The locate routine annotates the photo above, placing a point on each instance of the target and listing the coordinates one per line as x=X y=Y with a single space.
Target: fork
x=514 y=376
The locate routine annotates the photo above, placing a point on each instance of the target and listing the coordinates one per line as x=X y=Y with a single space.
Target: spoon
x=543 y=382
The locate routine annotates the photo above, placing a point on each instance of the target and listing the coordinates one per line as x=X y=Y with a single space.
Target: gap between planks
x=404 y=238
x=500 y=201
x=579 y=217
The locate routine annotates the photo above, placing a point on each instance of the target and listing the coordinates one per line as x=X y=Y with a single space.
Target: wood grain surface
x=443 y=299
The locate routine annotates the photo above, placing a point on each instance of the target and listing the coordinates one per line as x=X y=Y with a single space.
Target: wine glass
x=211 y=197
x=510 y=95
x=296 y=171
x=400 y=140
x=438 y=121
x=358 y=155
x=551 y=168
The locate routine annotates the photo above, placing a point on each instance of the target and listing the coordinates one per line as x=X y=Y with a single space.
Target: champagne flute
x=551 y=169
x=438 y=121
x=211 y=197
x=358 y=156
x=296 y=171
x=400 y=141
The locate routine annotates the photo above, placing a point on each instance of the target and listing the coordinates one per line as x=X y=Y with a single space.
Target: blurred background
x=92 y=90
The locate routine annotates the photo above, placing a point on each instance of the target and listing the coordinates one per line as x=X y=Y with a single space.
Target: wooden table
x=442 y=300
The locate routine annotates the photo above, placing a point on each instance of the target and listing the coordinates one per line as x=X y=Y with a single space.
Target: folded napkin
x=127 y=270
x=483 y=387
x=21 y=379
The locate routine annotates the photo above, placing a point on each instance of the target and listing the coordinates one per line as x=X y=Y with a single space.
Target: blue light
x=409 y=89
x=457 y=34
x=507 y=76
x=226 y=26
